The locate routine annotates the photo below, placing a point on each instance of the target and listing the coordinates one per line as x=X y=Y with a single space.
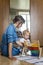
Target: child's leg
x=23 y=53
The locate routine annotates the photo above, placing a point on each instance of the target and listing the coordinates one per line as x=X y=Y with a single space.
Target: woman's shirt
x=10 y=36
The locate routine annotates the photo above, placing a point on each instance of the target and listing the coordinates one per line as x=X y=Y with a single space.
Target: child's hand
x=29 y=44
x=25 y=43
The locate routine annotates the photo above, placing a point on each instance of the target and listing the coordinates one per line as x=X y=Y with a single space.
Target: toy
x=34 y=47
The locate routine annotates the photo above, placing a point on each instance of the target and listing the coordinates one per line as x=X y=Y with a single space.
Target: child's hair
x=24 y=32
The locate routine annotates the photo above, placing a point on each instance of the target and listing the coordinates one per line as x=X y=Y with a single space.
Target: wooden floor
x=6 y=61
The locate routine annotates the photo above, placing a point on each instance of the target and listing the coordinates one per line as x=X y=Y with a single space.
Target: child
x=26 y=35
x=25 y=40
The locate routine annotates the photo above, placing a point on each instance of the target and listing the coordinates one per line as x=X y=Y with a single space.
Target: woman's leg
x=15 y=51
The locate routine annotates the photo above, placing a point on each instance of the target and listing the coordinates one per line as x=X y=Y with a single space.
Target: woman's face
x=19 y=25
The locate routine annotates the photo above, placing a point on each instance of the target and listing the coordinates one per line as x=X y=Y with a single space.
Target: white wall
x=20 y=4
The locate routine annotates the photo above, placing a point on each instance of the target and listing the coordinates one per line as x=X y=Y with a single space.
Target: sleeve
x=16 y=37
x=22 y=40
x=10 y=32
x=28 y=41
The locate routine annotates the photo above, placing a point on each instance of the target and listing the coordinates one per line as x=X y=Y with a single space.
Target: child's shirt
x=22 y=40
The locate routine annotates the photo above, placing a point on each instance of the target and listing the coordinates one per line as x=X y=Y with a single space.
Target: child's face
x=26 y=36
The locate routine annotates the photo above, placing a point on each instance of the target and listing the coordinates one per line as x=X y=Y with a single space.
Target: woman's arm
x=10 y=50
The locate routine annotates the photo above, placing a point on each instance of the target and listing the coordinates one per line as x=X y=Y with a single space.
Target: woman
x=10 y=37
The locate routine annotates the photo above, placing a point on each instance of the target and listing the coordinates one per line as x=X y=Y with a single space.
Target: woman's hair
x=18 y=18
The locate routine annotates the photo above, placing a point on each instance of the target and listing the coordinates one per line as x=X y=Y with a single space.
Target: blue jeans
x=15 y=51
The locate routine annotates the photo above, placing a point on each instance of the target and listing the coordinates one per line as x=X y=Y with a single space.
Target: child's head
x=26 y=34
